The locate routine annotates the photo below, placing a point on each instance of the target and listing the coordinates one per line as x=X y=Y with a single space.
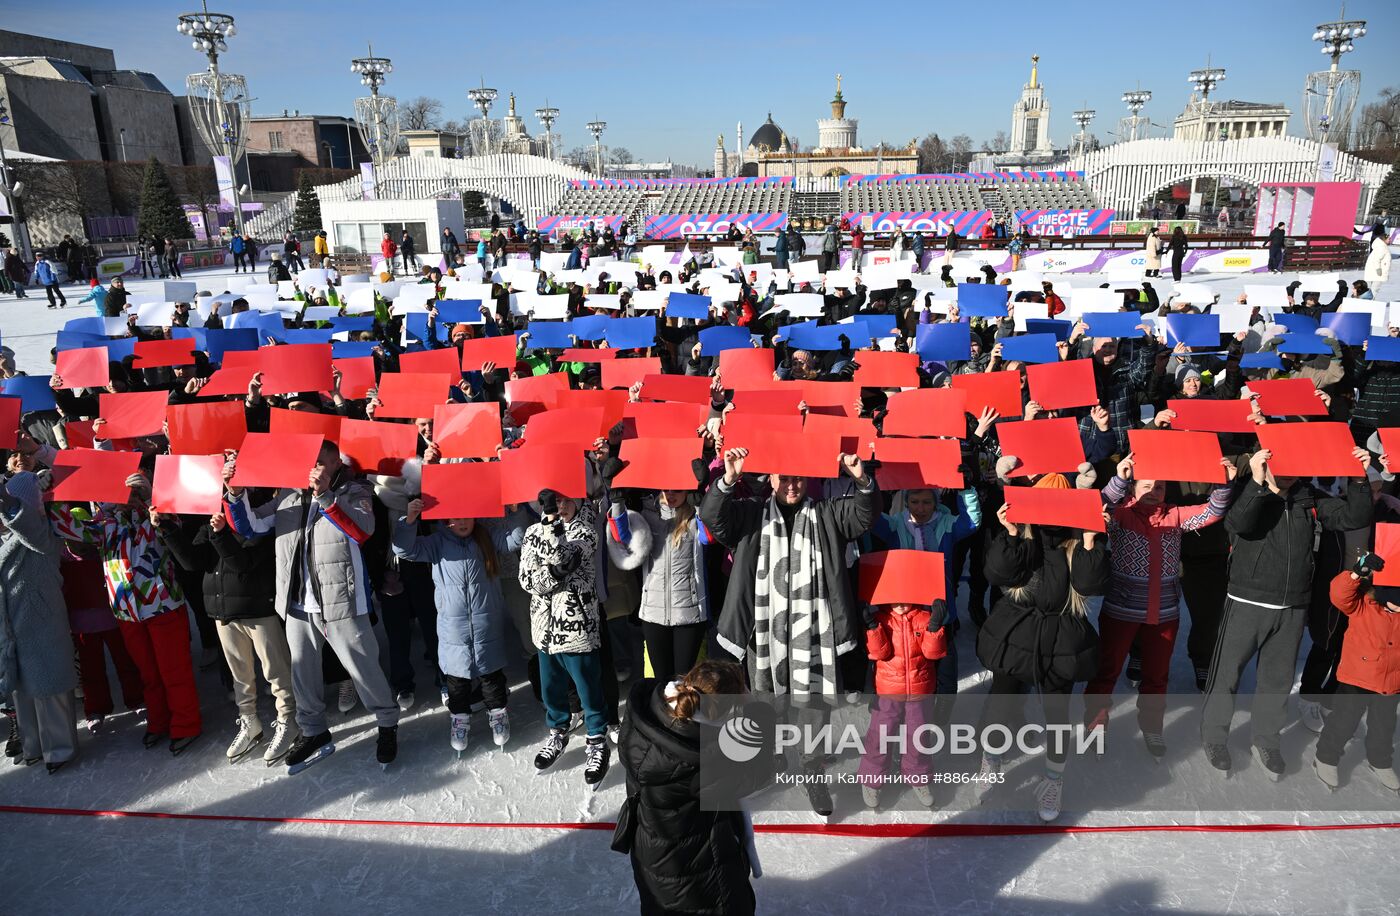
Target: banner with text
x=675 y=225
x=551 y=224
x=964 y=222
x=223 y=177
x=1065 y=222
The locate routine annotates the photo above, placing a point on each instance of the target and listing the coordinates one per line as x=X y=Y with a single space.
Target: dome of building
x=768 y=135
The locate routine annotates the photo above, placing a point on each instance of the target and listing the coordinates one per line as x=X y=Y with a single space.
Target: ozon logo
x=740 y=739
x=704 y=227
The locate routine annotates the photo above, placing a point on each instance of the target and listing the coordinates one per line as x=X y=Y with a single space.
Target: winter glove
x=938 y=613
x=549 y=502
x=610 y=467
x=1367 y=563
x=701 y=469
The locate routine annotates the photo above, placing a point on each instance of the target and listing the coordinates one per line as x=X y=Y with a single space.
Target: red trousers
x=160 y=647
x=1115 y=638
x=92 y=671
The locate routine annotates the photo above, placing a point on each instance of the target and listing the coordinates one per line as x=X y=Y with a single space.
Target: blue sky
x=668 y=77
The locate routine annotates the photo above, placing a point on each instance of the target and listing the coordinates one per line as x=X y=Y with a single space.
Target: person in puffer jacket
x=558 y=568
x=905 y=644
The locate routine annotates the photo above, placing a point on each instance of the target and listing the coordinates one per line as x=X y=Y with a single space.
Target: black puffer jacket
x=1272 y=537
x=239 y=575
x=1042 y=641
x=685 y=860
x=1379 y=403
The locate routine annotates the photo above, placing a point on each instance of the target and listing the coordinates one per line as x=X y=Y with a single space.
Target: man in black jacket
x=1271 y=527
x=1276 y=243
x=115 y=303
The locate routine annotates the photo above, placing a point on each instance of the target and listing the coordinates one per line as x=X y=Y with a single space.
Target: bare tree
x=1378 y=126
x=421 y=113
x=620 y=155
x=999 y=143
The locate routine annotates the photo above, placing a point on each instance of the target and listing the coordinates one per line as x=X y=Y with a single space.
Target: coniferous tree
x=306 y=217
x=161 y=213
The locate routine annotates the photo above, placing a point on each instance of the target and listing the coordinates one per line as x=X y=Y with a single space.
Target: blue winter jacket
x=43 y=273
x=473 y=626
x=942 y=533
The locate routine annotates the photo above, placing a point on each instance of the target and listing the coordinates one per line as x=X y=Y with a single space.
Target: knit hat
x=1086 y=478
x=1005 y=465
x=1054 y=481
x=1186 y=373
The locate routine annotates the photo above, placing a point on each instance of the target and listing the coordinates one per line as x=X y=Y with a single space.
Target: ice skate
x=346 y=700
x=595 y=766
x=870 y=795
x=1048 y=794
x=406 y=700
x=987 y=776
x=308 y=751
x=460 y=729
x=1310 y=714
x=386 y=747
x=283 y=734
x=1386 y=777
x=551 y=749
x=500 y=726
x=925 y=795
x=1156 y=745
x=1271 y=760
x=1328 y=774
x=1219 y=757
x=179 y=745
x=250 y=735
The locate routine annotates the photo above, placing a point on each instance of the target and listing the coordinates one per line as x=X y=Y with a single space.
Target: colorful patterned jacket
x=140 y=572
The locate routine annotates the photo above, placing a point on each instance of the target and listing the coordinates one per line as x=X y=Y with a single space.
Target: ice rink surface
x=110 y=865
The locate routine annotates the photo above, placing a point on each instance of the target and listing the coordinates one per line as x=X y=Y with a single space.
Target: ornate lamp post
x=547 y=117
x=482 y=97
x=596 y=128
x=1083 y=117
x=1337 y=38
x=218 y=101
x=377 y=116
x=1135 y=99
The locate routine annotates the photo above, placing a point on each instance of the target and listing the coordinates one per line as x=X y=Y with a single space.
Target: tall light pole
x=1337 y=38
x=547 y=117
x=596 y=128
x=1204 y=81
x=377 y=116
x=1083 y=117
x=218 y=101
x=1135 y=99
x=10 y=190
x=482 y=97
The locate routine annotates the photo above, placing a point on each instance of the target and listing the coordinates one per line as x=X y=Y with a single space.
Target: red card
x=902 y=577
x=587 y=355
x=89 y=475
x=1082 y=509
x=295 y=368
x=1388 y=549
x=819 y=395
x=467 y=430
x=1057 y=386
x=231 y=378
x=579 y=428
x=277 y=459
x=659 y=464
x=689 y=389
x=151 y=354
x=746 y=368
x=612 y=402
x=527 y=471
x=378 y=447
x=356 y=376
x=498 y=350
x=77 y=433
x=857 y=433
x=1288 y=397
x=325 y=425
x=927 y=412
x=410 y=395
x=189 y=484
x=444 y=362
x=1000 y=391
x=767 y=401
x=471 y=489
x=529 y=396
x=1310 y=449
x=885 y=369
x=1161 y=454
x=1207 y=415
x=913 y=463
x=133 y=414
x=205 y=428
x=10 y=410
x=741 y=429
x=808 y=455
x=663 y=420
x=85 y=368
x=1042 y=445
x=624 y=373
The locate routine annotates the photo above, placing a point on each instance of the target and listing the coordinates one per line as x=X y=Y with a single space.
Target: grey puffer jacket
x=674 y=592
x=36 y=652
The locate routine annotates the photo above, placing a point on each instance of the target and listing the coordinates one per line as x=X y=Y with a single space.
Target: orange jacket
x=904 y=650
x=1371 y=649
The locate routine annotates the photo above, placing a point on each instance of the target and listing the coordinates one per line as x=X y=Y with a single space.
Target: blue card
x=1030 y=348
x=1351 y=328
x=200 y=336
x=879 y=325
x=119 y=348
x=716 y=340
x=1304 y=345
x=827 y=337
x=77 y=340
x=785 y=332
x=1296 y=324
x=591 y=327
x=1261 y=361
x=1061 y=329
x=632 y=333
x=460 y=311
x=341 y=324
x=307 y=335
x=1193 y=330
x=1383 y=349
x=1112 y=324
x=32 y=390
x=945 y=341
x=982 y=300
x=342 y=349
x=222 y=340
x=688 y=305
x=550 y=335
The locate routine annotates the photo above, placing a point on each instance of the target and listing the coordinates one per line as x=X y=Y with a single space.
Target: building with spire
x=514 y=137
x=771 y=151
x=1030 y=118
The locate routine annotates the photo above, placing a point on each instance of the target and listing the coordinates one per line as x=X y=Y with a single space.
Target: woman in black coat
x=1038 y=635
x=684 y=859
x=1177 y=246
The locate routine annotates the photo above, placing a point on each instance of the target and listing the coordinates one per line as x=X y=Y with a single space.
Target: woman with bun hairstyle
x=686 y=859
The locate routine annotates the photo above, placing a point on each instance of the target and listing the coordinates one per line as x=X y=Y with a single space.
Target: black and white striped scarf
x=794 y=647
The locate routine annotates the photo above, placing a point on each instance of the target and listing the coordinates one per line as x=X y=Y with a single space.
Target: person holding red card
x=472 y=621
x=1038 y=636
x=762 y=607
x=1272 y=526
x=323 y=595
x=149 y=605
x=1140 y=606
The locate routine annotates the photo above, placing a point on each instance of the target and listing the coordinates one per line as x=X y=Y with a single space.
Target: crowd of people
x=751 y=557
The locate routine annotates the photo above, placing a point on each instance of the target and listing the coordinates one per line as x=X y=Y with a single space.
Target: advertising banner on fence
x=1065 y=222
x=1140 y=226
x=965 y=222
x=118 y=266
x=223 y=177
x=1235 y=260
x=675 y=225
x=551 y=224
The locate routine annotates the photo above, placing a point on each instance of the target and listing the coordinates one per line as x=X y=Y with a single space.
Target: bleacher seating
x=962 y=194
x=598 y=202
x=725 y=199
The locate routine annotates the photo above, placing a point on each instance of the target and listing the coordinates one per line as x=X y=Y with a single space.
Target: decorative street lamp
x=596 y=128
x=1337 y=38
x=1083 y=117
x=482 y=97
x=1135 y=99
x=547 y=117
x=218 y=101
x=377 y=116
